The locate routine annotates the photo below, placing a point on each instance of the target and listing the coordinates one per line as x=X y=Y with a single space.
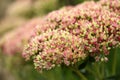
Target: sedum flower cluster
x=54 y=48
x=112 y=5
x=70 y=35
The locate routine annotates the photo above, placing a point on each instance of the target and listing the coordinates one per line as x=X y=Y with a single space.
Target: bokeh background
x=14 y=14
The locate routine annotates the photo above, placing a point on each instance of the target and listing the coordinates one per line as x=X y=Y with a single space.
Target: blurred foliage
x=21 y=11
x=7 y=24
x=71 y=2
x=21 y=70
x=3 y=6
x=109 y=70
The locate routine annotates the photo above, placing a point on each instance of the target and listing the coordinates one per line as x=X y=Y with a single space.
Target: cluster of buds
x=54 y=48
x=69 y=35
x=73 y=33
x=112 y=5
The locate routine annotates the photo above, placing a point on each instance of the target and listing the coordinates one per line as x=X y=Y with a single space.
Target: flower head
x=112 y=5
x=54 y=48
x=69 y=35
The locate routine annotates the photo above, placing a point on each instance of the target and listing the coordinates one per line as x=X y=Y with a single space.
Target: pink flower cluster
x=69 y=35
x=54 y=48
x=112 y=5
x=79 y=31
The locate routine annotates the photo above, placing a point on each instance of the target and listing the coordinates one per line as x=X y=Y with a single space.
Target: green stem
x=96 y=66
x=78 y=73
x=114 y=62
x=103 y=69
x=91 y=71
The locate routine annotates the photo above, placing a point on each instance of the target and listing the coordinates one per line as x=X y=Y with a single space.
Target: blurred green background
x=14 y=67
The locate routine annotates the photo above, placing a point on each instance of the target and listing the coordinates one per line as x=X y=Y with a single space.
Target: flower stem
x=103 y=69
x=114 y=62
x=78 y=73
x=96 y=66
x=91 y=71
